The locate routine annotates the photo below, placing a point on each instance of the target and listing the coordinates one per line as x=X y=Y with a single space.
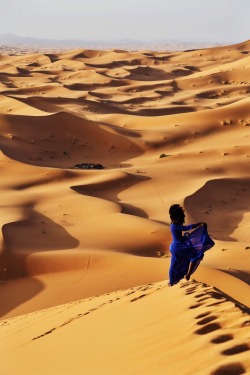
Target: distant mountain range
x=8 y=39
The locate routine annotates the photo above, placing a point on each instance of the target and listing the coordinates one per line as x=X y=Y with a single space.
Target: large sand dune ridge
x=168 y=127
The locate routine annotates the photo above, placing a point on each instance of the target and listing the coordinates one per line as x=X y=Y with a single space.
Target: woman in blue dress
x=187 y=250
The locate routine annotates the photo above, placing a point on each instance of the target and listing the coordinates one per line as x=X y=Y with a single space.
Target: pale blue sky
x=184 y=20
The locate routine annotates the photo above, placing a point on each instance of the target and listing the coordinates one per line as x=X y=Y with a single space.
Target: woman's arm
x=191 y=226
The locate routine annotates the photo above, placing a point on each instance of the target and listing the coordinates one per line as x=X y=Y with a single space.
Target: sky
x=220 y=21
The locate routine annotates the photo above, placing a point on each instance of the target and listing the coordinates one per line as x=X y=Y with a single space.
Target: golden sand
x=84 y=254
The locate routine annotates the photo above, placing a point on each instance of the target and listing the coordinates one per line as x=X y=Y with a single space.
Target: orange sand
x=84 y=254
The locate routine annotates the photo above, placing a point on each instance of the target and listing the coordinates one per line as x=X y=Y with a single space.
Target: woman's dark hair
x=177 y=215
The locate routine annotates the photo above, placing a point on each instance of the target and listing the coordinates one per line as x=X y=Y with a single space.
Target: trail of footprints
x=55 y=311
x=220 y=327
x=132 y=291
x=216 y=322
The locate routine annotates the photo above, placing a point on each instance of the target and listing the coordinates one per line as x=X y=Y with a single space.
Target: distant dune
x=11 y=43
x=84 y=254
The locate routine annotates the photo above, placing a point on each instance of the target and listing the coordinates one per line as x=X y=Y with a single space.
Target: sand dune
x=85 y=334
x=84 y=254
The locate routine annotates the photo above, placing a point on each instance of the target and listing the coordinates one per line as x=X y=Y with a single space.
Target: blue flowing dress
x=187 y=248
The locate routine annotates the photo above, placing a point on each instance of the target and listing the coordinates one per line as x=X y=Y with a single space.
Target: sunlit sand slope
x=168 y=127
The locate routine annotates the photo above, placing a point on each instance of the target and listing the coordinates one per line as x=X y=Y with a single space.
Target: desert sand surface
x=84 y=253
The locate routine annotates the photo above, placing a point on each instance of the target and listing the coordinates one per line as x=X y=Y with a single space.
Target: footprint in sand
x=206 y=320
x=136 y=299
x=203 y=315
x=128 y=294
x=195 y=306
x=145 y=288
x=44 y=334
x=217 y=295
x=236 y=349
x=201 y=295
x=222 y=338
x=190 y=291
x=184 y=285
x=230 y=369
x=208 y=328
x=192 y=286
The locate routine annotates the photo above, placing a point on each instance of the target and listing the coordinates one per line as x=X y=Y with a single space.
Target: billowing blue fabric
x=187 y=248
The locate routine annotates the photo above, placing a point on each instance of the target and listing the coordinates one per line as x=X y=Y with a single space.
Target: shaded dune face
x=168 y=127
x=63 y=140
x=218 y=200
